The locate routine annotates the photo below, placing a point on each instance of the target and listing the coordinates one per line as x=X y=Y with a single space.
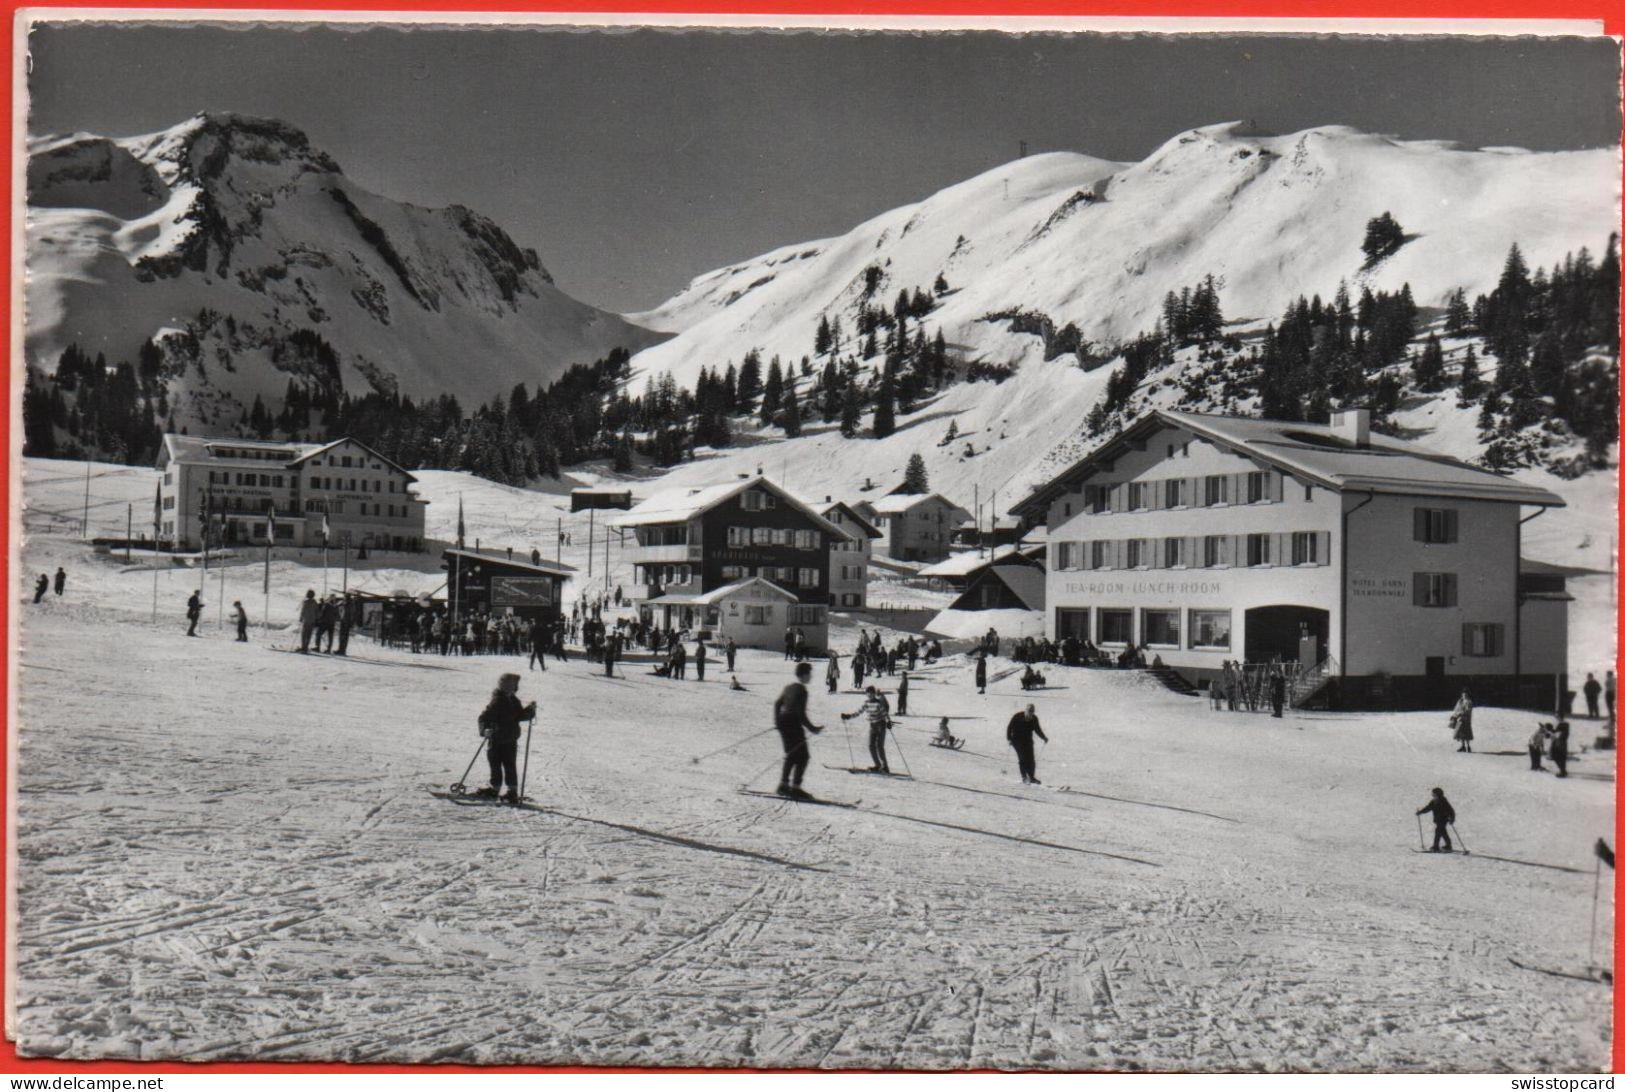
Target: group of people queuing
x=44 y=584
x=873 y=657
x=319 y=621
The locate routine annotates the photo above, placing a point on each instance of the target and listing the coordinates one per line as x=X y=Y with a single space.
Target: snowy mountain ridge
x=220 y=236
x=1099 y=244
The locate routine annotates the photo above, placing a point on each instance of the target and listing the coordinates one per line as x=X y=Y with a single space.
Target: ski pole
x=458 y=786
x=1421 y=839
x=846 y=730
x=700 y=758
x=900 y=753
x=524 y=773
x=1460 y=839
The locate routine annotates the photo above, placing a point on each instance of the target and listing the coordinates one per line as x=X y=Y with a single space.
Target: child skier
x=1443 y=816
x=945 y=738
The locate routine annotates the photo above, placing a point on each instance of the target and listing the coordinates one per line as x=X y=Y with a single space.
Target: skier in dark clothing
x=981 y=674
x=1537 y=745
x=612 y=649
x=1277 y=692
x=730 y=651
x=499 y=724
x=538 y=644
x=790 y=718
x=1592 y=689
x=902 y=696
x=1020 y=732
x=194 y=611
x=1443 y=816
x=1560 y=747
x=41 y=586
x=241 y=617
x=308 y=612
x=346 y=621
x=62 y=582
x=699 y=661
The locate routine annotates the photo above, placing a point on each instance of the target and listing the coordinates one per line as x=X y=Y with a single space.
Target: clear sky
x=635 y=160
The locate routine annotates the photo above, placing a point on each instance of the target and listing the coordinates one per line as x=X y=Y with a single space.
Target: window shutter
x=1193 y=552
x=1120 y=497
x=1466 y=639
x=1238 y=488
x=1280 y=549
x=1450 y=524
x=1277 y=482
x=1419 y=524
x=1149 y=548
x=1238 y=550
x=1449 y=589
x=1418 y=589
x=1323 y=547
x=1193 y=493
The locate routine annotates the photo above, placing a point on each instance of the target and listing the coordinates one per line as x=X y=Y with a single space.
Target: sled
x=952 y=745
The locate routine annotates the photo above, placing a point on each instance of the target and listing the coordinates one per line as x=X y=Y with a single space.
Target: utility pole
x=84 y=522
x=589 y=542
x=129 y=530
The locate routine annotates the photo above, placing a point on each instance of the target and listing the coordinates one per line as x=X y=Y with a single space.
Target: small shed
x=488 y=583
x=586 y=497
x=755 y=613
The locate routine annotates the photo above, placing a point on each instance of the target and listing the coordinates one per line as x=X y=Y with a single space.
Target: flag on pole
x=461 y=531
x=270 y=537
x=326 y=531
x=157 y=512
x=1602 y=850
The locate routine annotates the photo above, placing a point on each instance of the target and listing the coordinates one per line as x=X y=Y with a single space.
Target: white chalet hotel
x=366 y=498
x=1209 y=539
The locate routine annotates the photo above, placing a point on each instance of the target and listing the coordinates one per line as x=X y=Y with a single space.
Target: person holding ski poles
x=790 y=718
x=874 y=707
x=1019 y=733
x=499 y=724
x=240 y=616
x=1443 y=816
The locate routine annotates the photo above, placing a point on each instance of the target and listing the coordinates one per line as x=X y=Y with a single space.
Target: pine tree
x=940 y=285
x=885 y=419
x=1471 y=385
x=830 y=406
x=790 y=414
x=750 y=382
x=915 y=479
x=773 y=393
x=1428 y=366
x=851 y=410
x=623 y=453
x=821 y=340
x=1383 y=236
x=1458 y=319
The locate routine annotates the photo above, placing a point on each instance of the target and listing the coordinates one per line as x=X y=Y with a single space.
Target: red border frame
x=1610 y=12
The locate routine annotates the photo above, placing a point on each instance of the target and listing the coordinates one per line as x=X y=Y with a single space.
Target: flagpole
x=265 y=585
x=203 y=580
x=344 y=553
x=129 y=530
x=157 y=513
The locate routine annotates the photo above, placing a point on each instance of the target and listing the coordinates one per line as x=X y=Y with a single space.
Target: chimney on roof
x=826 y=498
x=1353 y=425
x=758 y=472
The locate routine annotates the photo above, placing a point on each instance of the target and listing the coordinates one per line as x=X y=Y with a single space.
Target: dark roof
x=869 y=529
x=1025 y=582
x=547 y=568
x=352 y=440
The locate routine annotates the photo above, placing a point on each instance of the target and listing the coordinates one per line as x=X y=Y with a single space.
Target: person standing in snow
x=1537 y=745
x=1608 y=695
x=832 y=672
x=346 y=621
x=240 y=616
x=902 y=696
x=1443 y=816
x=1019 y=733
x=1277 y=690
x=981 y=672
x=499 y=724
x=41 y=586
x=874 y=708
x=538 y=643
x=699 y=661
x=308 y=612
x=790 y=718
x=194 y=611
x=1592 y=690
x=730 y=650
x=1560 y=747
x=1461 y=723
x=61 y=579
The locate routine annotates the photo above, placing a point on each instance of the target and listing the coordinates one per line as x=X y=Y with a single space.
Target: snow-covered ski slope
x=227 y=851
x=1099 y=244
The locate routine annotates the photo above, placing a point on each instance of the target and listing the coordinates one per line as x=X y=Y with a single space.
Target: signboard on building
x=521 y=591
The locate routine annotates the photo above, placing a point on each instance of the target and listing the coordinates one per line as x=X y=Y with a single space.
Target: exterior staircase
x=1305 y=684
x=1172 y=679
